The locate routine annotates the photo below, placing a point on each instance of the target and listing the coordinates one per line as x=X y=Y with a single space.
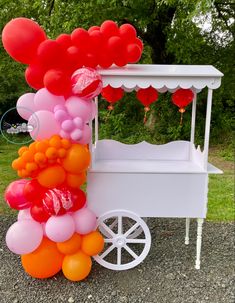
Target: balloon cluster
x=52 y=63
x=55 y=229
x=53 y=221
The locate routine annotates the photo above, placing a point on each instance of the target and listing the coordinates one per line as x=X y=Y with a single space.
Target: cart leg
x=199 y=242
x=187 y=231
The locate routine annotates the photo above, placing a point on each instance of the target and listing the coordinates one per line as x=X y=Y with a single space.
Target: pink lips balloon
x=86 y=83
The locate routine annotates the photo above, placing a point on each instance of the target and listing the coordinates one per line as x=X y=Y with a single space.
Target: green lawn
x=221 y=187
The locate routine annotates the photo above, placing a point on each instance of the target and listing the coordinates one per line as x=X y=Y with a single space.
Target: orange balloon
x=66 y=143
x=41 y=146
x=92 y=243
x=77 y=159
x=52 y=176
x=51 y=153
x=22 y=149
x=76 y=267
x=31 y=167
x=40 y=158
x=70 y=246
x=32 y=147
x=62 y=152
x=75 y=181
x=55 y=141
x=44 y=262
x=27 y=156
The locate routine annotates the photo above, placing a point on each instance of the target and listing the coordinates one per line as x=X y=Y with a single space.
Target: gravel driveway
x=167 y=275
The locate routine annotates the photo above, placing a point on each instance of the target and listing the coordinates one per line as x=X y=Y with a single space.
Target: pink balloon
x=68 y=125
x=44 y=125
x=25 y=105
x=23 y=237
x=44 y=100
x=85 y=221
x=60 y=228
x=14 y=195
x=76 y=135
x=78 y=107
x=24 y=214
x=61 y=115
x=86 y=135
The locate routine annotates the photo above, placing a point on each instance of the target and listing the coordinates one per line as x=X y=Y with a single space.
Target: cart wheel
x=133 y=235
x=122 y=251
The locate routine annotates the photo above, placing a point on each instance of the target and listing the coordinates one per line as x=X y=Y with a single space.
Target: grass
x=221 y=187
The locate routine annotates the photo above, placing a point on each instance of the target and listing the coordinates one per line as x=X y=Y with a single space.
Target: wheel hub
x=119 y=241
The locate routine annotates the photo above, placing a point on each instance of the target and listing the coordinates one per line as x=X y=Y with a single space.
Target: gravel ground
x=167 y=275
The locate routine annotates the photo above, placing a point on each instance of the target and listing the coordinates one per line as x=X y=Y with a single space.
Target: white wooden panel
x=110 y=149
x=149 y=195
x=133 y=76
x=146 y=166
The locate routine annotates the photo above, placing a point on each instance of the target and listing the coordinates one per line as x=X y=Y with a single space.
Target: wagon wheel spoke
x=111 y=226
x=131 y=252
x=107 y=229
x=119 y=225
x=119 y=256
x=105 y=253
x=138 y=241
x=127 y=233
x=108 y=240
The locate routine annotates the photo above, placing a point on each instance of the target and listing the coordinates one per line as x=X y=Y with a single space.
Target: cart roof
x=162 y=77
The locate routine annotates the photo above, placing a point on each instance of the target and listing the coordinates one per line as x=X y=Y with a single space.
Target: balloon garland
x=55 y=229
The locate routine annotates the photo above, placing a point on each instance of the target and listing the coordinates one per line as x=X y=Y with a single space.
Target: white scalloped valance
x=162 y=77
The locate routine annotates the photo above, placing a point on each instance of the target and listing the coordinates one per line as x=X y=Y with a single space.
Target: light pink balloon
x=44 y=125
x=25 y=105
x=44 y=100
x=78 y=107
x=60 y=228
x=85 y=221
x=24 y=214
x=23 y=237
x=86 y=135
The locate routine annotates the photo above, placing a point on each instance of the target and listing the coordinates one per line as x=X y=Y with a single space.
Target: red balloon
x=139 y=43
x=133 y=53
x=93 y=28
x=120 y=60
x=127 y=32
x=109 y=28
x=64 y=40
x=79 y=198
x=33 y=191
x=34 y=74
x=112 y=94
x=14 y=195
x=147 y=95
x=57 y=82
x=105 y=58
x=21 y=38
x=96 y=40
x=50 y=54
x=80 y=38
x=91 y=60
x=38 y=213
x=115 y=46
x=75 y=57
x=182 y=97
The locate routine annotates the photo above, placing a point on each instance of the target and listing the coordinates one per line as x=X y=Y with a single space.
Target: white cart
x=129 y=182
